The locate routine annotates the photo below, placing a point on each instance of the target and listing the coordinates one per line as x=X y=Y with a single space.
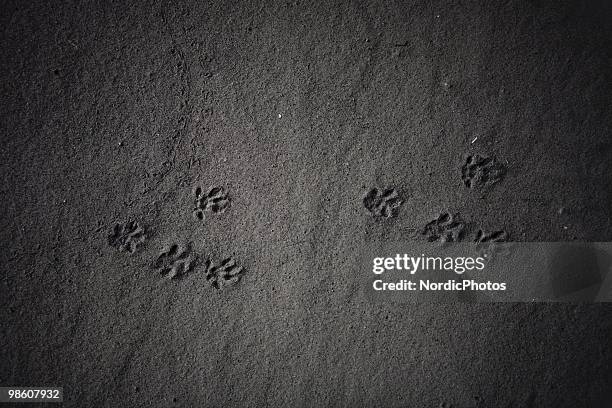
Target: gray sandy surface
x=117 y=112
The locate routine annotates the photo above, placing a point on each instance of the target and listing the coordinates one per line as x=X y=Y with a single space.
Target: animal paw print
x=479 y=172
x=227 y=273
x=127 y=237
x=175 y=261
x=215 y=200
x=486 y=243
x=382 y=203
x=495 y=236
x=446 y=228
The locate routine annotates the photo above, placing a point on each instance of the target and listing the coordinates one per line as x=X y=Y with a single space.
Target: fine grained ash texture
x=229 y=147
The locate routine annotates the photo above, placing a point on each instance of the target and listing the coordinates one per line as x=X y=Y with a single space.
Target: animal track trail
x=447 y=227
x=479 y=172
x=226 y=273
x=127 y=237
x=383 y=203
x=175 y=261
x=215 y=200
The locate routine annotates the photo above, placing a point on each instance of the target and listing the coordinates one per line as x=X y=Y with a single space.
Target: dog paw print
x=382 y=203
x=215 y=200
x=480 y=172
x=175 y=261
x=226 y=273
x=127 y=237
x=446 y=228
